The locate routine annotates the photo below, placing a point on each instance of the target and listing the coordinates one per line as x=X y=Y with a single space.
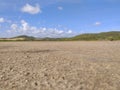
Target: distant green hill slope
x=24 y=37
x=111 y=36
x=115 y=35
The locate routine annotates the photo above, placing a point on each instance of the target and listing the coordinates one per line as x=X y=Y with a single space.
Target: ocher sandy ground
x=60 y=65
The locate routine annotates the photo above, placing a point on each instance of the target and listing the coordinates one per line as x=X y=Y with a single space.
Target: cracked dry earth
x=60 y=65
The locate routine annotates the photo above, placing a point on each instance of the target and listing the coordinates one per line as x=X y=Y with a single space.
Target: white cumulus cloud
x=24 y=28
x=14 y=26
x=25 y=25
x=31 y=9
x=2 y=20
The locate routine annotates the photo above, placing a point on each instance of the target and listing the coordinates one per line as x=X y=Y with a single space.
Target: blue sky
x=58 y=18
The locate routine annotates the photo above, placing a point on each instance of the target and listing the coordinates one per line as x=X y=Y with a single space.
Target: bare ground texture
x=93 y=65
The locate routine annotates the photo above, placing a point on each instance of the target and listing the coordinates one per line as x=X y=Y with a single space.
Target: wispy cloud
x=60 y=8
x=70 y=1
x=112 y=1
x=97 y=23
x=31 y=9
x=3 y=20
x=69 y=31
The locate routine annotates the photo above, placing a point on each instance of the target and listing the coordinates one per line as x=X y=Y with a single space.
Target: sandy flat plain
x=60 y=65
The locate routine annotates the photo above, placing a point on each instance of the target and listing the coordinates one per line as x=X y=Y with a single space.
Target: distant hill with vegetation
x=19 y=38
x=25 y=37
x=111 y=36
x=115 y=35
